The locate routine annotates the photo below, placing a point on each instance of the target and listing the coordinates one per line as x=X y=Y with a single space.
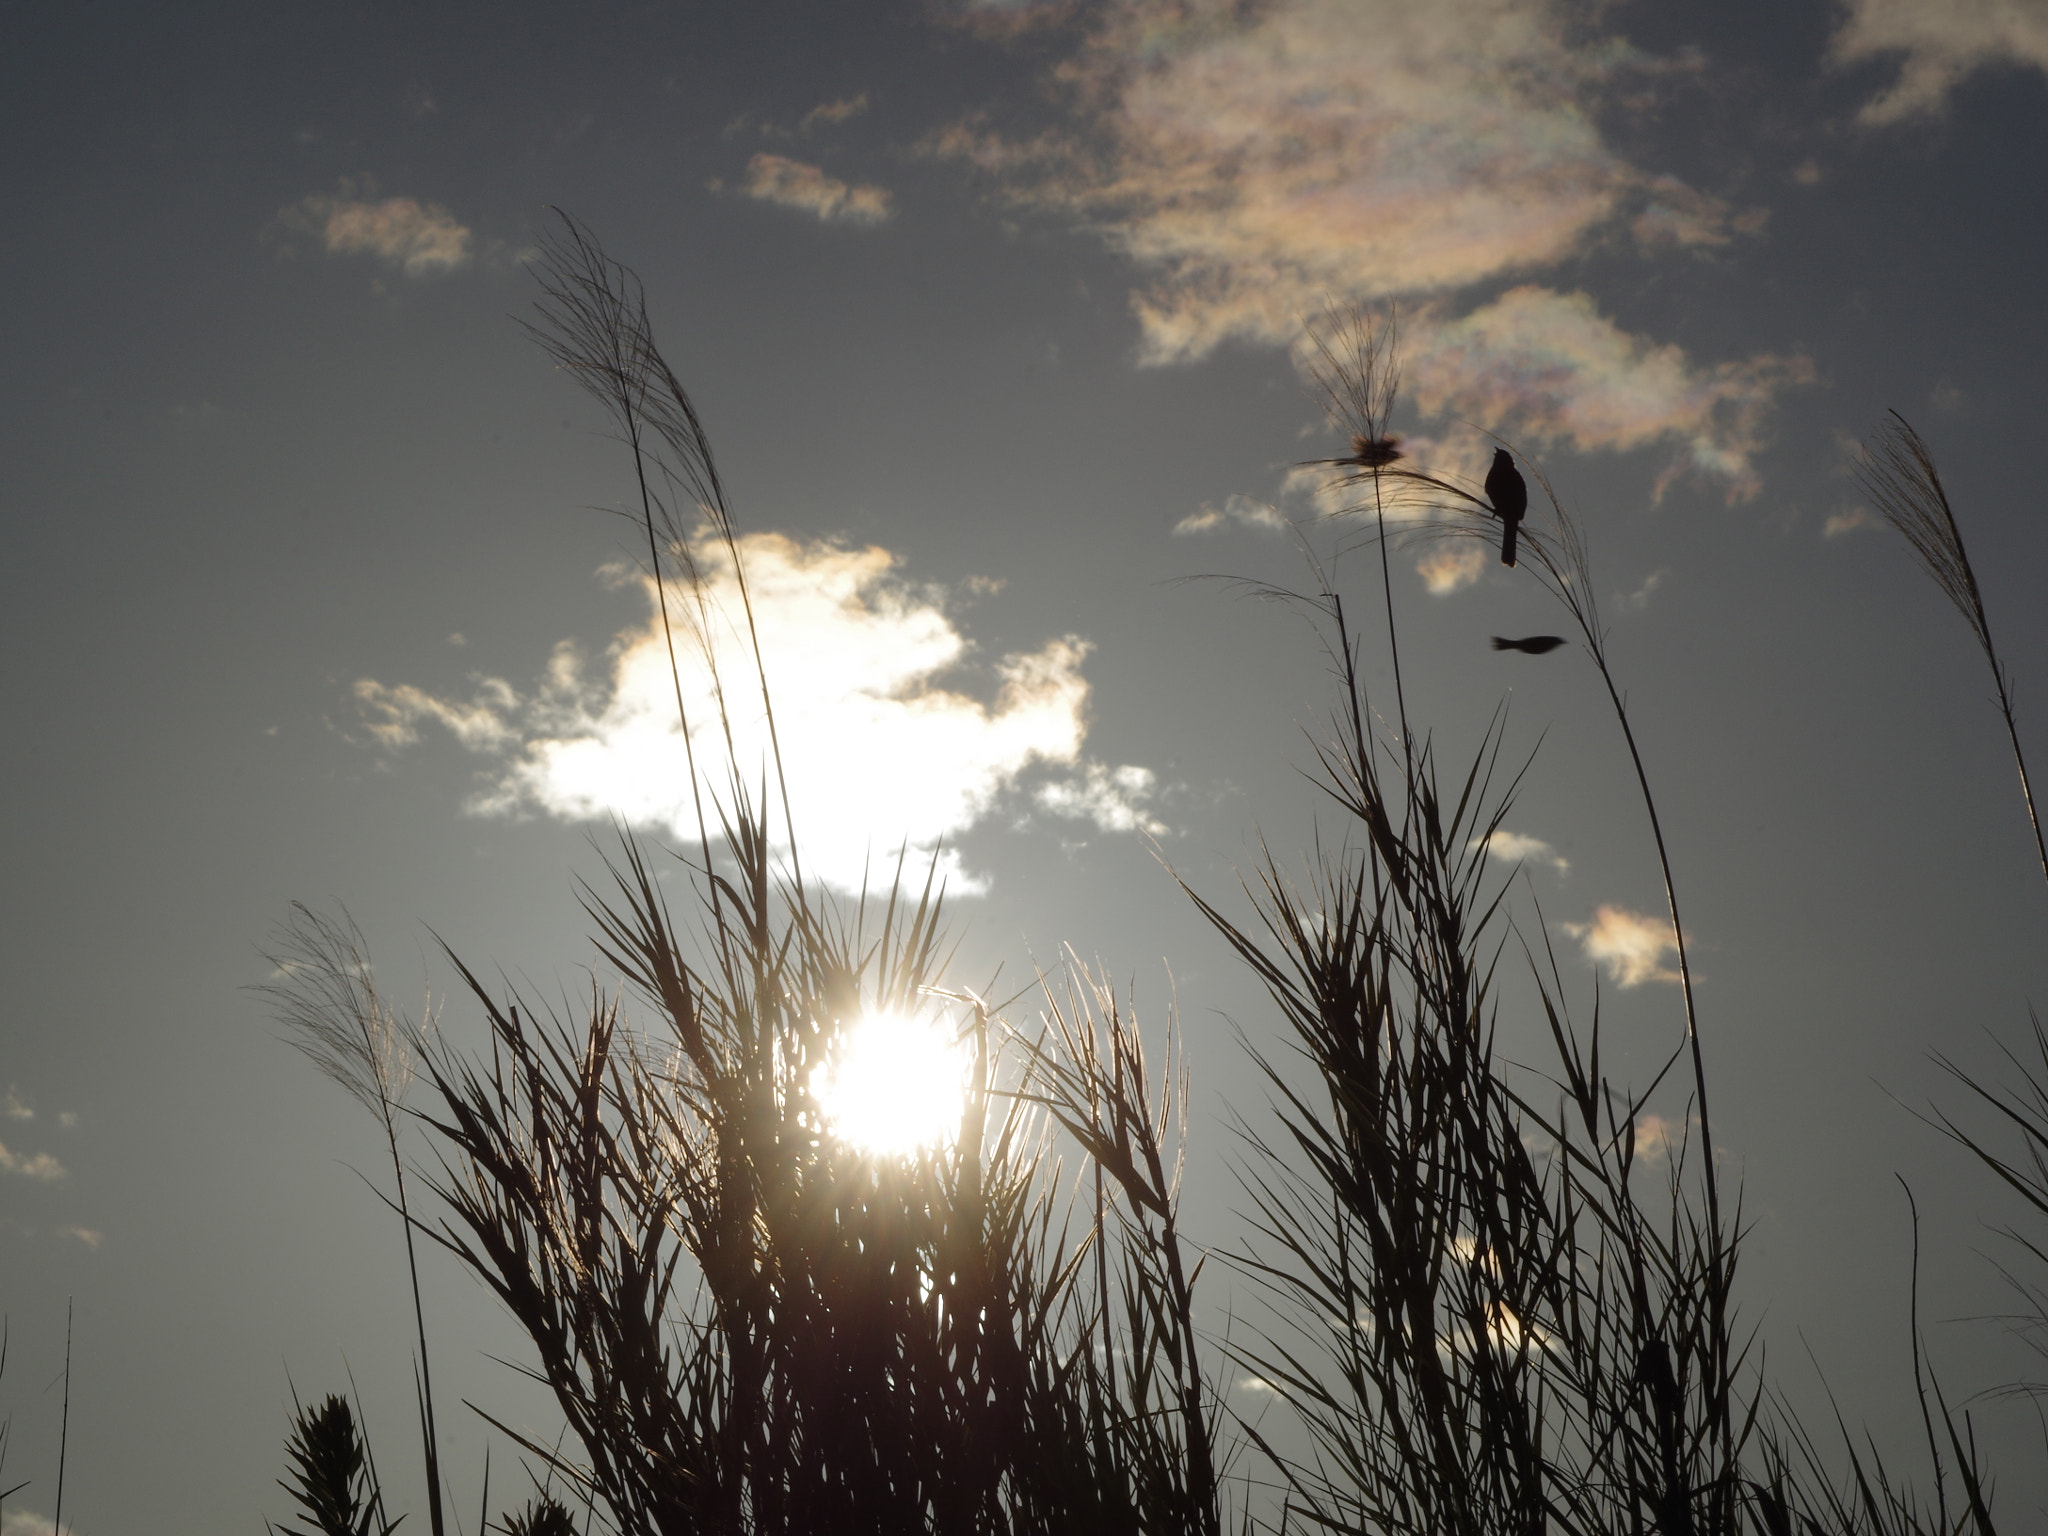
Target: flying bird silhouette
x=1509 y=494
x=1535 y=645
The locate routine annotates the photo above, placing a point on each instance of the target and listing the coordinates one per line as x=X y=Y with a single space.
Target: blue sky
x=314 y=587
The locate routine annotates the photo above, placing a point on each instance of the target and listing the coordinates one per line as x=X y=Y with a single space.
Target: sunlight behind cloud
x=878 y=751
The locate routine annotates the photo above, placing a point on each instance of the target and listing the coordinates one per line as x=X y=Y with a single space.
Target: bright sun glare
x=898 y=1083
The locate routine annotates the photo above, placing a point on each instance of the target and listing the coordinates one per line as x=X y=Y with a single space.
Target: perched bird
x=1535 y=645
x=1509 y=494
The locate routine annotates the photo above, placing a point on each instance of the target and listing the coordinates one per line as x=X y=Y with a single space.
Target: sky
x=314 y=586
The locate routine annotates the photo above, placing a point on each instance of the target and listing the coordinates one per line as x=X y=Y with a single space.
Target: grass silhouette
x=1484 y=1308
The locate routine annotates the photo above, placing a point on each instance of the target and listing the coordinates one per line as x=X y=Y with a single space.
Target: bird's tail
x=1503 y=645
x=1507 y=544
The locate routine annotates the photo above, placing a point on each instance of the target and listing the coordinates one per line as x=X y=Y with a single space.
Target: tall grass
x=746 y=1323
x=1487 y=1305
x=1899 y=473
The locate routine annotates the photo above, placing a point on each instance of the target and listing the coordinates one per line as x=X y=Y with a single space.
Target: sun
x=898 y=1082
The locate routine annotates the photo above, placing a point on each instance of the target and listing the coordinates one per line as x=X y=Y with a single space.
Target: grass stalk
x=334 y=1015
x=64 y=1429
x=1898 y=473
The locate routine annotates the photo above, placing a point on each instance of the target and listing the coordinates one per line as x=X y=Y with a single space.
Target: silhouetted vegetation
x=1484 y=1306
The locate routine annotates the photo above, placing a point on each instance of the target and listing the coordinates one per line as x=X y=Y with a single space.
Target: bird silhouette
x=1509 y=494
x=1535 y=645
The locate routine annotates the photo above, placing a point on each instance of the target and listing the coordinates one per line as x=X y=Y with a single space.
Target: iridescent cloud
x=1549 y=368
x=1258 y=163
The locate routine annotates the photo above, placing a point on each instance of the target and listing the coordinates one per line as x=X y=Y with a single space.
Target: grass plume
x=1898 y=473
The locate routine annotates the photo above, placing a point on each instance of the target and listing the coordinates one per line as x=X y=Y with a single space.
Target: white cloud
x=1113 y=798
x=421 y=239
x=1518 y=848
x=1631 y=946
x=1239 y=511
x=1855 y=518
x=85 y=1235
x=793 y=184
x=878 y=749
x=12 y=1107
x=39 y=1166
x=26 y=1522
x=1941 y=41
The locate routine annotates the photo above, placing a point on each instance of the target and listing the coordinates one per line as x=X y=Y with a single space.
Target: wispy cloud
x=881 y=741
x=1236 y=511
x=1849 y=521
x=832 y=113
x=85 y=1235
x=484 y=723
x=38 y=1165
x=13 y=1108
x=1631 y=946
x=420 y=239
x=1940 y=43
x=794 y=184
x=1519 y=848
x=1639 y=600
x=1257 y=162
x=26 y=1522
